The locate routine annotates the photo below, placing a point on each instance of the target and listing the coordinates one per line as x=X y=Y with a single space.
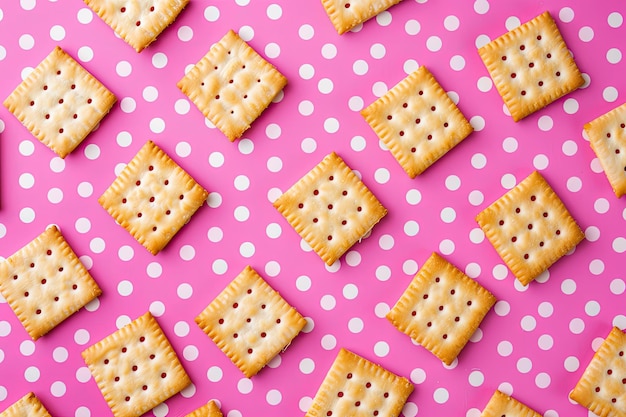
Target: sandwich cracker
x=601 y=387
x=138 y=22
x=607 y=137
x=501 y=404
x=45 y=283
x=357 y=387
x=441 y=309
x=531 y=66
x=209 y=409
x=530 y=228
x=417 y=121
x=232 y=85
x=27 y=406
x=153 y=198
x=250 y=322
x=60 y=102
x=346 y=14
x=136 y=368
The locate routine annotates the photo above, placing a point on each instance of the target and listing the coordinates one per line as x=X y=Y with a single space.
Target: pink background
x=534 y=344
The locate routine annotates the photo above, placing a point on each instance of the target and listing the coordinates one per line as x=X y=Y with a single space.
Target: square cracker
x=601 y=387
x=501 y=404
x=250 y=322
x=136 y=368
x=531 y=66
x=138 y=22
x=60 y=102
x=45 y=283
x=27 y=406
x=330 y=208
x=357 y=387
x=530 y=228
x=232 y=85
x=209 y=409
x=153 y=198
x=441 y=308
x=417 y=121
x=607 y=137
x=346 y=14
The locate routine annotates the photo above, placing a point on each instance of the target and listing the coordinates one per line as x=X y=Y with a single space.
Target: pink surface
x=534 y=344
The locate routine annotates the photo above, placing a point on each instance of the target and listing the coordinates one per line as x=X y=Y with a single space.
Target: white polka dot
x=247 y=249
x=329 y=51
x=505 y=348
x=57 y=33
x=566 y=14
x=86 y=261
x=596 y=166
x=331 y=125
x=306 y=32
x=576 y=326
x=58 y=389
x=569 y=148
x=410 y=66
x=128 y=105
x=381 y=310
x=159 y=60
x=615 y=20
x=214 y=374
x=383 y=273
x=83 y=374
x=26 y=180
x=355 y=325
x=84 y=16
x=585 y=34
x=543 y=380
x=541 y=162
x=211 y=13
x=618 y=321
x=484 y=84
x=125 y=288
x=350 y=291
x=303 y=283
x=245 y=386
x=187 y=252
x=441 y=396
x=570 y=106
x=381 y=349
x=26 y=71
x=508 y=181
x=272 y=50
x=27 y=215
x=160 y=410
x=360 y=67
x=448 y=215
x=181 y=329
x=545 y=309
x=574 y=184
x=434 y=43
x=592 y=308
x=477 y=235
x=272 y=268
x=216 y=159
x=592 y=233
x=571 y=364
x=453 y=182
x=545 y=123
x=596 y=267
x=481 y=40
x=476 y=378
x=379 y=88
x=60 y=354
x=451 y=23
x=27 y=347
x=528 y=323
x=214 y=200
x=274 y=164
x=457 y=62
x=185 y=33
x=191 y=353
x=447 y=247
x=568 y=286
x=273 y=397
x=524 y=365
x=154 y=270
x=386 y=242
x=245 y=32
x=610 y=94
x=411 y=228
x=26 y=42
x=81 y=337
x=92 y=151
x=26 y=148
x=481 y=6
x=382 y=175
x=32 y=374
x=412 y=27
x=184 y=291
x=476 y=198
x=617 y=286
x=413 y=197
x=157 y=125
x=545 y=342
x=328 y=302
x=328 y=342
x=378 y=51
x=123 y=68
x=613 y=56
x=509 y=145
x=479 y=161
x=125 y=253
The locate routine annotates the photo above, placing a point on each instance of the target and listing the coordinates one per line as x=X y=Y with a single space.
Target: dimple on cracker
x=530 y=228
x=441 y=308
x=607 y=137
x=136 y=368
x=602 y=386
x=417 y=121
x=60 y=102
x=153 y=198
x=250 y=322
x=138 y=22
x=232 y=85
x=346 y=14
x=45 y=283
x=356 y=387
x=531 y=66
x=27 y=406
x=209 y=409
x=330 y=208
x=501 y=404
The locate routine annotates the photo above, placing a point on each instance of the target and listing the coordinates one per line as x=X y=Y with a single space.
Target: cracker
x=501 y=404
x=27 y=406
x=136 y=368
x=530 y=228
x=417 y=121
x=153 y=198
x=346 y=14
x=607 y=137
x=232 y=85
x=60 y=102
x=330 y=208
x=531 y=66
x=209 y=409
x=250 y=322
x=356 y=387
x=138 y=22
x=441 y=308
x=601 y=387
x=45 y=283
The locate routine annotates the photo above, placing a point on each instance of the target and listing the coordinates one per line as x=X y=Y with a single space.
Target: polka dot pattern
x=539 y=337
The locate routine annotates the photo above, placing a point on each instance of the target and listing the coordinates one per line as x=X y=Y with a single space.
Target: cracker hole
x=127 y=399
x=168 y=212
x=221 y=321
x=138 y=23
x=330 y=413
x=315 y=220
x=139 y=214
x=180 y=197
x=513 y=75
x=217 y=97
x=277 y=321
x=26 y=294
x=501 y=222
x=405 y=105
x=541 y=243
x=331 y=178
x=421 y=93
x=375 y=412
x=166 y=182
x=316 y=192
x=329 y=237
x=73 y=86
x=526 y=256
x=429 y=137
x=349 y=376
x=457 y=319
x=123 y=9
x=43 y=281
x=344 y=222
x=514 y=239
x=437 y=279
x=417 y=121
x=440 y=308
x=249 y=291
x=60 y=101
x=245 y=96
x=623 y=125
x=446 y=124
x=452 y=291
x=14 y=277
x=522 y=47
x=413 y=150
x=545 y=214
x=263 y=306
x=358 y=403
x=344 y=192
x=523 y=92
x=359 y=208
x=152 y=356
x=330 y=207
x=163 y=375
x=142 y=339
x=48 y=252
x=61 y=130
x=32 y=265
x=558 y=232
x=89 y=101
x=117 y=378
x=517 y=210
x=152 y=8
x=617 y=151
x=445 y=336
x=75 y=116
x=469 y=303
x=145 y=387
x=340 y=394
x=47 y=116
x=558 y=73
x=540 y=83
x=429 y=324
x=263 y=334
x=38 y=311
x=134 y=368
x=235 y=305
x=386 y=395
x=389 y=117
x=152 y=199
x=549 y=56
x=538 y=37
x=124 y=350
x=414 y=313
x=504 y=58
x=74 y=287
x=230 y=81
x=531 y=65
x=433 y=108
x=248 y=320
x=250 y=351
x=530 y=226
x=347 y=5
x=61 y=269
x=401 y=133
x=368 y=385
x=609 y=372
x=425 y=296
